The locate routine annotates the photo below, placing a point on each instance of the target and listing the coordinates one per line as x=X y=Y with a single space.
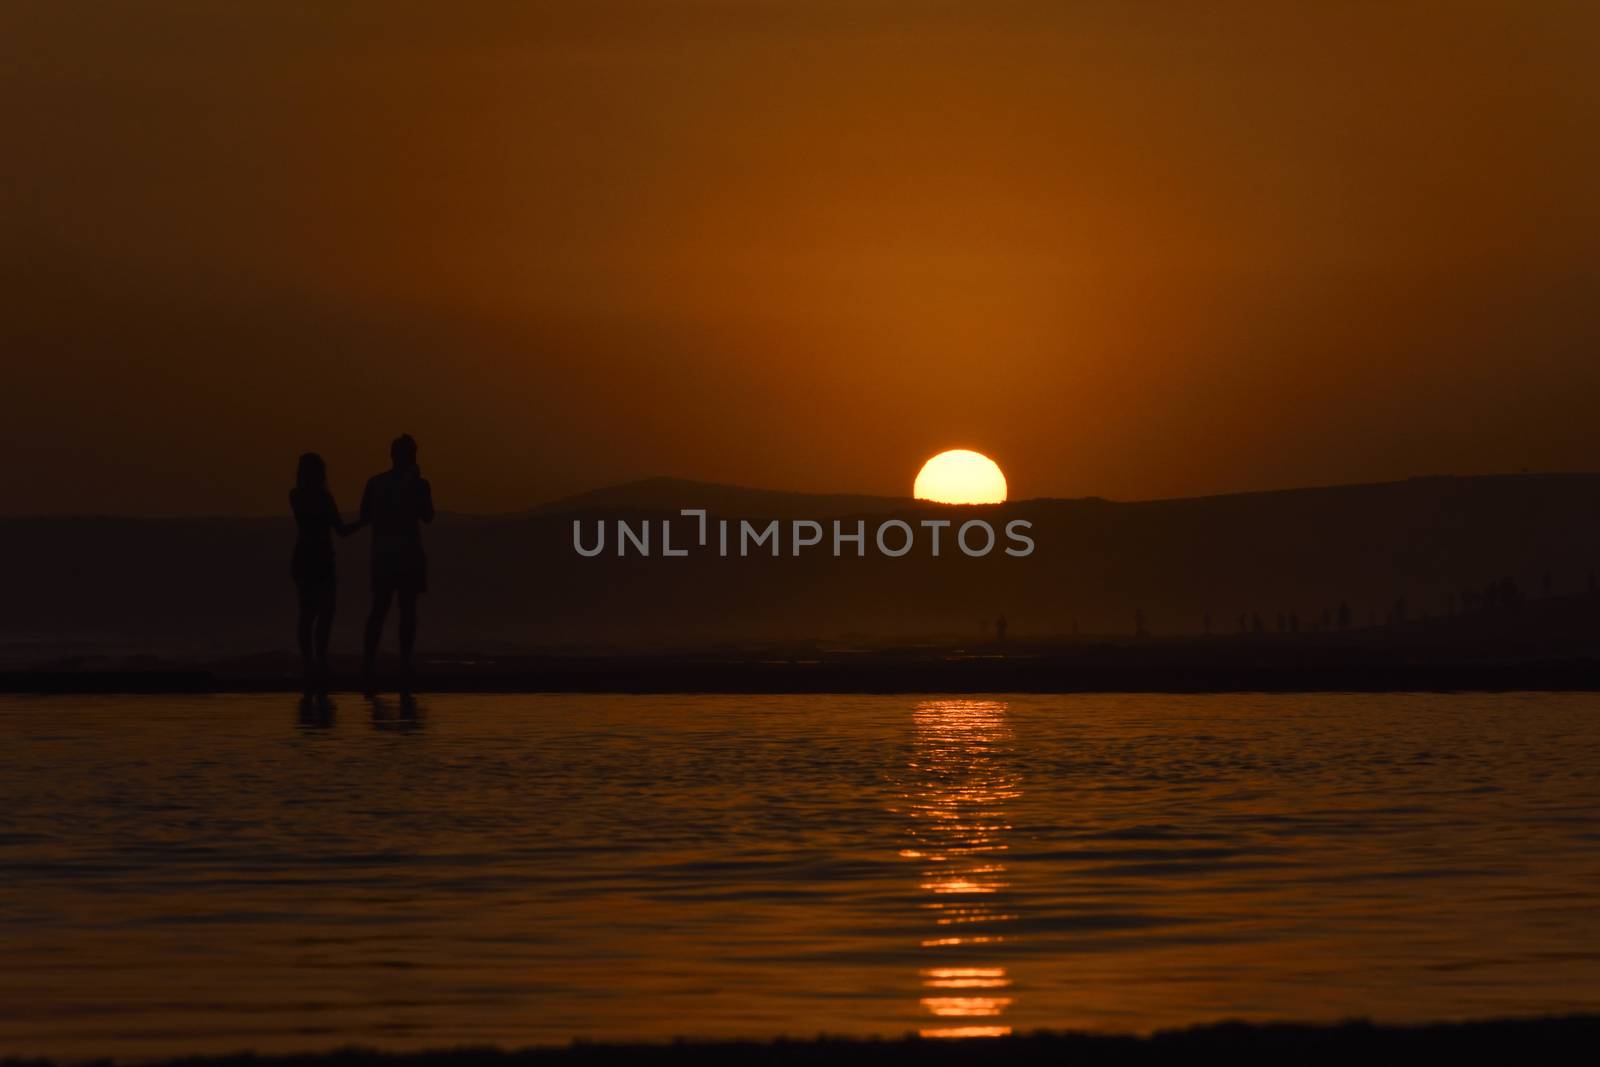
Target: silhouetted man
x=396 y=503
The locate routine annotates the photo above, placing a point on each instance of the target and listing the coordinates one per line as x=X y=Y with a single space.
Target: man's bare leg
x=408 y=636
x=369 y=652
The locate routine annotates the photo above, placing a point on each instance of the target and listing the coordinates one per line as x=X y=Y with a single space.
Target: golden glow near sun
x=960 y=476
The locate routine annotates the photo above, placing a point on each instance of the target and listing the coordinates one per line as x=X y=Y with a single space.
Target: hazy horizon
x=349 y=490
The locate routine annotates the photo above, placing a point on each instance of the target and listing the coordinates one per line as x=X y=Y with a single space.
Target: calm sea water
x=225 y=872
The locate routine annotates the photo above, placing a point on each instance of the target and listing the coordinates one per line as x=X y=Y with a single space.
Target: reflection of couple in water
x=395 y=504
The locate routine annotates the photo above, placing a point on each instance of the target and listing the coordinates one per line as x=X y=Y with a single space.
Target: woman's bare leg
x=324 y=632
x=303 y=631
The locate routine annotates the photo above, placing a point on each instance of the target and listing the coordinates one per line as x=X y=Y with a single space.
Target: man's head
x=403 y=451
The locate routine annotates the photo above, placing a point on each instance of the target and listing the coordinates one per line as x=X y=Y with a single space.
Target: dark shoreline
x=1533 y=1040
x=997 y=674
x=1180 y=666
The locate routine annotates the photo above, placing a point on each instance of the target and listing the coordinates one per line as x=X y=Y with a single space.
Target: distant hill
x=1405 y=550
x=671 y=494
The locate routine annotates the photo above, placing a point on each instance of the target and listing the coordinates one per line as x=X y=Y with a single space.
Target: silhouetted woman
x=313 y=568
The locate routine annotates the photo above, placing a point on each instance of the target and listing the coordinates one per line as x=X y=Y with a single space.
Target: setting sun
x=960 y=476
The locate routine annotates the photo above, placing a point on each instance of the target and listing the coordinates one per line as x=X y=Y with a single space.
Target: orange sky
x=1127 y=249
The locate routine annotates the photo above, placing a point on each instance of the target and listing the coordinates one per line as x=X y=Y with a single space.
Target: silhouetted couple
x=395 y=504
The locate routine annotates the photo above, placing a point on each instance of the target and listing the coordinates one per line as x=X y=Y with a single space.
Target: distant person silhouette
x=313 y=568
x=396 y=503
x=1000 y=625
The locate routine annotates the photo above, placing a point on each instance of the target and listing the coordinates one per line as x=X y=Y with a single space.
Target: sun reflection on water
x=958 y=791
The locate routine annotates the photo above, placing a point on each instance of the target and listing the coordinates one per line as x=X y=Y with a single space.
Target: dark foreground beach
x=1550 y=1040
